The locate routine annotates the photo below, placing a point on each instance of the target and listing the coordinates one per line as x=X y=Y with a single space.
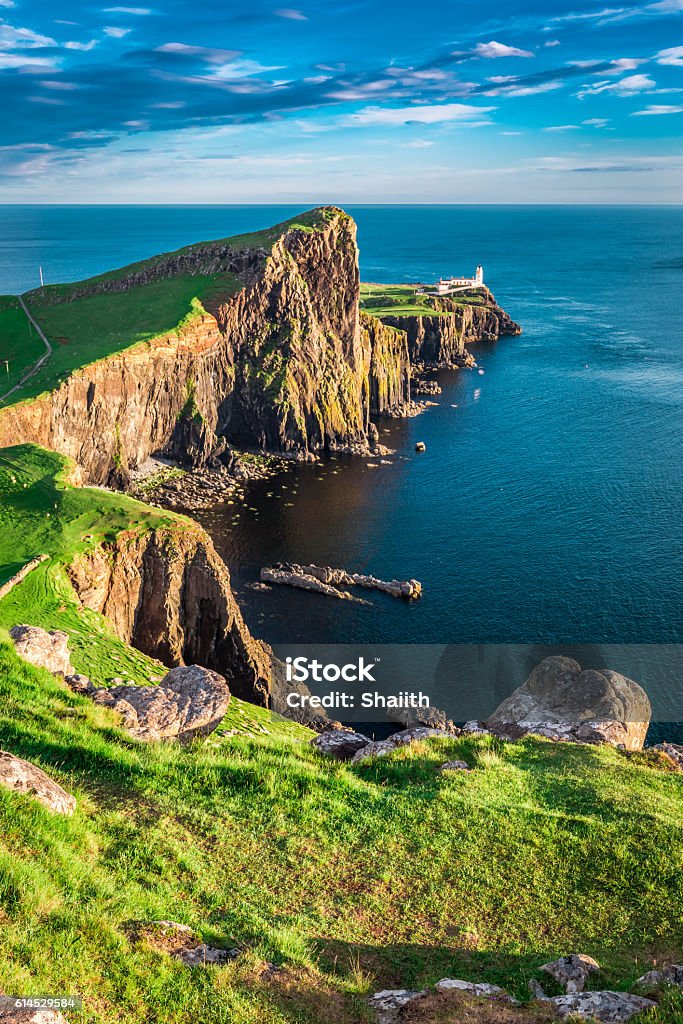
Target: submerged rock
x=23 y=777
x=49 y=650
x=561 y=701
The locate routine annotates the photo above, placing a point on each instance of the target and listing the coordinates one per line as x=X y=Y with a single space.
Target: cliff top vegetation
x=349 y=878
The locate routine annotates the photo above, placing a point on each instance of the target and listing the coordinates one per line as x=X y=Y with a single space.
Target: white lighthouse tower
x=479 y=277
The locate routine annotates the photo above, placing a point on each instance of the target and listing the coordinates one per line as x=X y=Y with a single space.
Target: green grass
x=403 y=300
x=85 y=328
x=352 y=878
x=20 y=346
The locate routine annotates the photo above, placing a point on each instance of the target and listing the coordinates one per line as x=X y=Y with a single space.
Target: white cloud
x=552 y=42
x=493 y=50
x=524 y=90
x=561 y=128
x=672 y=56
x=624 y=64
x=291 y=14
x=25 y=61
x=7 y=3
x=418 y=144
x=84 y=47
x=22 y=38
x=426 y=114
x=595 y=122
x=116 y=33
x=606 y=12
x=629 y=86
x=141 y=11
x=654 y=110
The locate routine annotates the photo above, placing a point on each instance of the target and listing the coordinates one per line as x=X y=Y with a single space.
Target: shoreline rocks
x=329 y=581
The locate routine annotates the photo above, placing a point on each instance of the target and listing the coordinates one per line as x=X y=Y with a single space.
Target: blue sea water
x=548 y=506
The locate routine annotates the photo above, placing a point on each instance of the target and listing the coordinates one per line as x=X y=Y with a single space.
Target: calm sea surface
x=548 y=506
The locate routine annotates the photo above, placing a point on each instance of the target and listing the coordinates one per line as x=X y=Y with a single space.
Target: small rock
x=389 y=1003
x=474 y=728
x=420 y=732
x=378 y=748
x=203 y=955
x=11 y=1014
x=455 y=766
x=473 y=988
x=420 y=446
x=341 y=744
x=674 y=752
x=79 y=683
x=607 y=1007
x=672 y=975
x=537 y=991
x=49 y=650
x=24 y=777
x=571 y=971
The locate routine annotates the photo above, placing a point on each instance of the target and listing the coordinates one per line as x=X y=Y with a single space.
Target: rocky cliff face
x=286 y=364
x=440 y=338
x=389 y=364
x=282 y=365
x=168 y=593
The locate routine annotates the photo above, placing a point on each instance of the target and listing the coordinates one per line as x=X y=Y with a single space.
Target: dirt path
x=36 y=366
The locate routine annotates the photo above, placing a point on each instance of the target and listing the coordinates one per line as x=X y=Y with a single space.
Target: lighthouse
x=479 y=277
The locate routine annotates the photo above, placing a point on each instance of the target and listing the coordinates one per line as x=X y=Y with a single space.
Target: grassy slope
x=354 y=878
x=86 y=329
x=19 y=343
x=403 y=300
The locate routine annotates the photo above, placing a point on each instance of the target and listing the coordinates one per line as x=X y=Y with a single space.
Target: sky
x=358 y=101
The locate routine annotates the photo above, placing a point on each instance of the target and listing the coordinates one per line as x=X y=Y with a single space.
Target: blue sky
x=208 y=101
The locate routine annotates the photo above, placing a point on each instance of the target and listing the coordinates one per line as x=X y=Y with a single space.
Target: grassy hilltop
x=351 y=879
x=85 y=324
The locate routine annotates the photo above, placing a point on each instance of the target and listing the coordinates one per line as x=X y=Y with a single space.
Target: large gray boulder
x=572 y=971
x=44 y=649
x=23 y=777
x=561 y=701
x=670 y=975
x=608 y=1007
x=190 y=701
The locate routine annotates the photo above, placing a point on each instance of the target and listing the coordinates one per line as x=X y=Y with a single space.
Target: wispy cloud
x=115 y=33
x=629 y=86
x=655 y=110
x=673 y=56
x=291 y=14
x=139 y=11
x=427 y=114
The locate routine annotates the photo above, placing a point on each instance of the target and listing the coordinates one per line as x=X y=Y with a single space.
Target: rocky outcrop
x=168 y=593
x=189 y=702
x=389 y=364
x=439 y=338
x=181 y=943
x=339 y=744
x=326 y=580
x=380 y=748
x=572 y=972
x=672 y=974
x=49 y=650
x=23 y=777
x=607 y=1007
x=286 y=362
x=561 y=701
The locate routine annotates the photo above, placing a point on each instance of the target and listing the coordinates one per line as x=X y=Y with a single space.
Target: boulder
x=189 y=701
x=341 y=744
x=44 y=649
x=481 y=989
x=572 y=971
x=608 y=1007
x=389 y=1003
x=378 y=748
x=561 y=701
x=24 y=777
x=672 y=975
x=416 y=735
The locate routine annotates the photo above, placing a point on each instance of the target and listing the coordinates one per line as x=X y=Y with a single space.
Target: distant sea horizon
x=548 y=507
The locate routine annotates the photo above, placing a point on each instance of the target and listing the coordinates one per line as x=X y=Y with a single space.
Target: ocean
x=548 y=506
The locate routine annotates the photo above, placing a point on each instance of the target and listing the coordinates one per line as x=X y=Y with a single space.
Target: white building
x=447 y=284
